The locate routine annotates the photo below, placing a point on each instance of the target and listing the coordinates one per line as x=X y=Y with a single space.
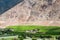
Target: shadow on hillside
x=8 y=4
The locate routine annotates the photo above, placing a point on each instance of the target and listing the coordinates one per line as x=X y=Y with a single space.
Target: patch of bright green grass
x=31 y=27
x=45 y=30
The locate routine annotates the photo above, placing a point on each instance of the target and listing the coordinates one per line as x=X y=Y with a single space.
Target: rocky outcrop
x=37 y=12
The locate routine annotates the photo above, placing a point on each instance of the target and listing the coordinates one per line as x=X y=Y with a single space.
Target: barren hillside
x=37 y=12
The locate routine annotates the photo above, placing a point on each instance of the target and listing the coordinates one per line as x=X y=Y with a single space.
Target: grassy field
x=42 y=31
x=48 y=29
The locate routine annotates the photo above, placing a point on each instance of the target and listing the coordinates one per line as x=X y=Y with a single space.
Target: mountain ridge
x=36 y=12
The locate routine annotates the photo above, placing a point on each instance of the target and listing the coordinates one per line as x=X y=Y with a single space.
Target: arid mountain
x=37 y=12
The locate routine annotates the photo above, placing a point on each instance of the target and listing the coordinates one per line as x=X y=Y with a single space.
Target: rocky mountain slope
x=37 y=12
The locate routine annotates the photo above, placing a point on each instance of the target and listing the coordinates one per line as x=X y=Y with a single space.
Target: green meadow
x=32 y=31
x=53 y=30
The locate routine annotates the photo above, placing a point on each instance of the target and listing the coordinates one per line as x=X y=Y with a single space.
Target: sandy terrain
x=33 y=12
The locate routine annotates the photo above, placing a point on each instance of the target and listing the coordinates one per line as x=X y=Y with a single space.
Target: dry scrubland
x=36 y=12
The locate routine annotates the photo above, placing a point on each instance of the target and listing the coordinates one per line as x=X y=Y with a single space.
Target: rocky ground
x=37 y=12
